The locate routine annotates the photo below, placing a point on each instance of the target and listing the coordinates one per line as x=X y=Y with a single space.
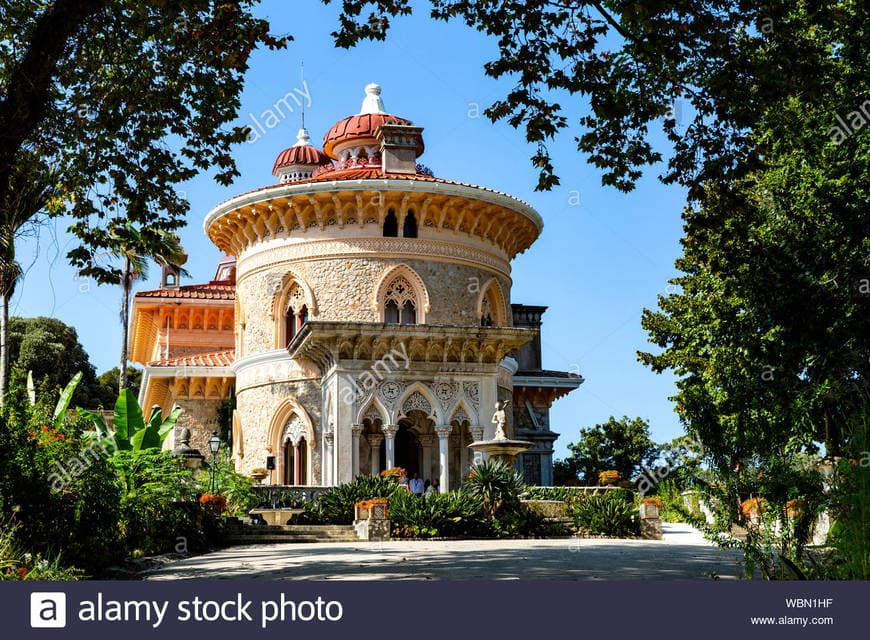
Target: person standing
x=417 y=485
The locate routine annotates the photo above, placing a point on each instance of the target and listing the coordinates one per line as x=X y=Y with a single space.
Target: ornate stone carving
x=295 y=298
x=443 y=431
x=445 y=392
x=460 y=416
x=472 y=392
x=417 y=402
x=373 y=414
x=294 y=431
x=390 y=391
x=349 y=247
x=400 y=291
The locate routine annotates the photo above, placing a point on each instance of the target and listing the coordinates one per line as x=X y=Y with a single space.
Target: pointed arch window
x=409 y=229
x=289 y=325
x=400 y=302
x=391 y=225
x=391 y=312
x=491 y=312
x=486 y=313
x=295 y=313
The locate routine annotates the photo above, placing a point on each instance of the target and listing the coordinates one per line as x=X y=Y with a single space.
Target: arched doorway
x=407 y=449
x=296 y=462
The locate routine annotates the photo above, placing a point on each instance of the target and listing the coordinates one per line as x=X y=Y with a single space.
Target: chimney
x=170 y=277
x=400 y=146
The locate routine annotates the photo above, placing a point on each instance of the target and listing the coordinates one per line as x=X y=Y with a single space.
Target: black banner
x=213 y=610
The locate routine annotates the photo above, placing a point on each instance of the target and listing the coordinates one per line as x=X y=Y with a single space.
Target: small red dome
x=302 y=154
x=360 y=127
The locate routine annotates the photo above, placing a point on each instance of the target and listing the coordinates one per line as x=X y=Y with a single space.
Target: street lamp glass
x=214 y=443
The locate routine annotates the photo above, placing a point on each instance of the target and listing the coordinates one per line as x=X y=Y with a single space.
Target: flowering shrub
x=216 y=504
x=374 y=502
x=394 y=473
x=793 y=508
x=757 y=505
x=653 y=501
x=16 y=564
x=608 y=477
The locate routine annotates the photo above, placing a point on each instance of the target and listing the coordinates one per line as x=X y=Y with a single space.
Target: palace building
x=360 y=320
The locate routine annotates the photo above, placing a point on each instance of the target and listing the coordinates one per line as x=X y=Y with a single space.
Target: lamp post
x=214 y=445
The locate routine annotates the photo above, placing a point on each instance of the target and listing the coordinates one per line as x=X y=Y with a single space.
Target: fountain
x=501 y=447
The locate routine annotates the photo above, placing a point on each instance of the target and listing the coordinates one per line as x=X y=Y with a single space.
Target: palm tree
x=134 y=248
x=32 y=190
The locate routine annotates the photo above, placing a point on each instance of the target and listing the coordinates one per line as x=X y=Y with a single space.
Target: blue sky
x=596 y=265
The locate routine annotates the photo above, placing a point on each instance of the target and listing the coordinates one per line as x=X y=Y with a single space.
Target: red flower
x=22 y=571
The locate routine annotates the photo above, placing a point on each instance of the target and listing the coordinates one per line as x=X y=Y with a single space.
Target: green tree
x=31 y=193
x=50 y=349
x=122 y=99
x=623 y=445
x=110 y=379
x=703 y=73
x=133 y=247
x=769 y=325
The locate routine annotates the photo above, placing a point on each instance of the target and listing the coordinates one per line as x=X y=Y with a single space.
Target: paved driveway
x=683 y=554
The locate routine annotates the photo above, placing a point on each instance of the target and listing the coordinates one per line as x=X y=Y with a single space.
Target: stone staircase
x=270 y=534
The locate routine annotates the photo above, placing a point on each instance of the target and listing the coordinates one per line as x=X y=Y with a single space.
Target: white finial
x=302 y=138
x=372 y=103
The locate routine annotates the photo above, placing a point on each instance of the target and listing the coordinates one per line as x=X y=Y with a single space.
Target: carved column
x=443 y=432
x=426 y=442
x=329 y=439
x=297 y=464
x=355 y=431
x=390 y=434
x=463 y=454
x=375 y=440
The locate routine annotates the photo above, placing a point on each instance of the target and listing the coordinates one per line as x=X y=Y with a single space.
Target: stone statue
x=499 y=419
x=184 y=438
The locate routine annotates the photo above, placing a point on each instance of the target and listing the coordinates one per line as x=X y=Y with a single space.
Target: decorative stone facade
x=362 y=318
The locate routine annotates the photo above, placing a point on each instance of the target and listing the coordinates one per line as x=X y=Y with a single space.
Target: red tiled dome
x=301 y=154
x=360 y=127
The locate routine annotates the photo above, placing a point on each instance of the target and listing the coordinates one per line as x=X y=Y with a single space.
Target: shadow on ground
x=682 y=555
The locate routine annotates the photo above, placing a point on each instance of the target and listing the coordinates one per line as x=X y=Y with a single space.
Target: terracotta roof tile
x=373 y=173
x=361 y=126
x=214 y=290
x=213 y=359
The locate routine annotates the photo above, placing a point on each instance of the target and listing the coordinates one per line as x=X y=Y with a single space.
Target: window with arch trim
x=400 y=302
x=409 y=228
x=391 y=225
x=295 y=313
x=492 y=307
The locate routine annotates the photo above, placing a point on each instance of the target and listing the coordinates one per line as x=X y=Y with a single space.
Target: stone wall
x=201 y=417
x=257 y=407
x=344 y=290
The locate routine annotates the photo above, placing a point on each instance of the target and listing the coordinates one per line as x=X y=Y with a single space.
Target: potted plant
x=259 y=474
x=213 y=503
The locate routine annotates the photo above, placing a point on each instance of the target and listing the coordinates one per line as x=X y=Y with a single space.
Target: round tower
x=373 y=319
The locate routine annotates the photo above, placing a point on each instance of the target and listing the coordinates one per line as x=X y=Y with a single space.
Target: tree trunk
x=4 y=346
x=125 y=321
